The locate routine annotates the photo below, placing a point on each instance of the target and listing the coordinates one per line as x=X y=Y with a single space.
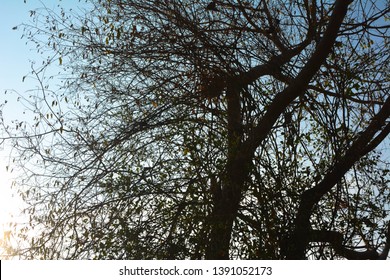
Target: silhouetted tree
x=252 y=132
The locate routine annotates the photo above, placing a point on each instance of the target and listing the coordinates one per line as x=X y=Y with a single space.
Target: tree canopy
x=248 y=130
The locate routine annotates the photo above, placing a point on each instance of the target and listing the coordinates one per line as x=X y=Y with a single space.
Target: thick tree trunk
x=227 y=203
x=222 y=220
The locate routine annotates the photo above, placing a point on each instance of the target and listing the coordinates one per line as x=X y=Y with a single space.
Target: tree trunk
x=222 y=220
x=227 y=203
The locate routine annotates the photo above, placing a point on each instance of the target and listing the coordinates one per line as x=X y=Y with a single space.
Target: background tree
x=253 y=130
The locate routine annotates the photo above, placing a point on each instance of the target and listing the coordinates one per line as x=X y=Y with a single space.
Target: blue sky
x=15 y=52
x=15 y=62
x=15 y=55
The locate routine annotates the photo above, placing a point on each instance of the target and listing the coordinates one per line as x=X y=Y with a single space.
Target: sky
x=14 y=64
x=16 y=56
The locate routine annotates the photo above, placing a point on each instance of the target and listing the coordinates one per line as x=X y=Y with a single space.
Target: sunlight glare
x=9 y=204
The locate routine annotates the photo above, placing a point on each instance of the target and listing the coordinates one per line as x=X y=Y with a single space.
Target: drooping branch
x=335 y=239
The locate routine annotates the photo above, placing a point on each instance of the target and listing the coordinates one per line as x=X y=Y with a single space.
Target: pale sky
x=15 y=62
x=16 y=53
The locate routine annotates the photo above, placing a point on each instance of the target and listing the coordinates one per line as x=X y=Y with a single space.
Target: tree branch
x=310 y=197
x=335 y=239
x=300 y=83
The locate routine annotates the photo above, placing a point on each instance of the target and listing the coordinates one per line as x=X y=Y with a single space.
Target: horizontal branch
x=335 y=239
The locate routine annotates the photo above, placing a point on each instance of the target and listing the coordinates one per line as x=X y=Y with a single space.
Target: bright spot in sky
x=8 y=205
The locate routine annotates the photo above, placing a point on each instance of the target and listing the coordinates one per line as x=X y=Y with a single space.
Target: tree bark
x=227 y=203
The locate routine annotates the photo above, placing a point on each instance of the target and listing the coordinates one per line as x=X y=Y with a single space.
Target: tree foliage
x=253 y=130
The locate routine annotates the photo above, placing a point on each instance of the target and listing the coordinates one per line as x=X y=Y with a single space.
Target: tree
x=254 y=130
